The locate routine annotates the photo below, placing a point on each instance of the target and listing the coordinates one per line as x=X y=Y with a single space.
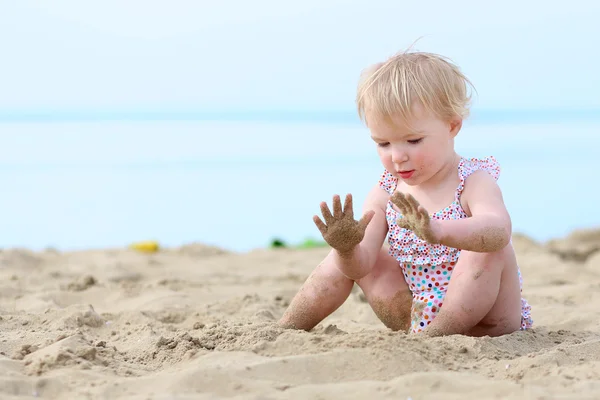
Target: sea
x=241 y=180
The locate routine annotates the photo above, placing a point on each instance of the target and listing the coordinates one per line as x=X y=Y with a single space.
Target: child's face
x=415 y=155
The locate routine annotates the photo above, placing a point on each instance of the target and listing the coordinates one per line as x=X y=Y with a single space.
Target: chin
x=411 y=182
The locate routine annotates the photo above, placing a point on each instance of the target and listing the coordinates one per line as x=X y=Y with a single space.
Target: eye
x=385 y=144
x=415 y=141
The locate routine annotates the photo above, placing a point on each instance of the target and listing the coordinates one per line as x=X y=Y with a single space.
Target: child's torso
x=405 y=246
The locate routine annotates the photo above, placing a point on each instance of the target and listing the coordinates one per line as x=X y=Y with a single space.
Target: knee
x=385 y=263
x=475 y=258
x=327 y=278
x=478 y=263
x=394 y=312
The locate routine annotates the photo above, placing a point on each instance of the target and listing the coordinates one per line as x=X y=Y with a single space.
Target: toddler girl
x=450 y=267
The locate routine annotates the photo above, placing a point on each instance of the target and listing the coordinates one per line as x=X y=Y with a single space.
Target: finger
x=423 y=214
x=337 y=207
x=320 y=225
x=407 y=204
x=413 y=204
x=399 y=201
x=401 y=222
x=326 y=213
x=366 y=218
x=348 y=211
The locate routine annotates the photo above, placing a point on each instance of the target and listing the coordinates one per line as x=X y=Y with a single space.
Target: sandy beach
x=197 y=322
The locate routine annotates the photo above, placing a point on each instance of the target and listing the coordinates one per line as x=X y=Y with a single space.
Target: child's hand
x=415 y=218
x=340 y=230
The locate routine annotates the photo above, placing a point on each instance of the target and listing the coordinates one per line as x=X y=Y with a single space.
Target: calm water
x=239 y=184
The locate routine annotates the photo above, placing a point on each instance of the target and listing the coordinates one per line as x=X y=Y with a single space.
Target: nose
x=399 y=155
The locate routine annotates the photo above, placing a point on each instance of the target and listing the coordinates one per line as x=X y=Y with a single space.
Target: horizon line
x=275 y=115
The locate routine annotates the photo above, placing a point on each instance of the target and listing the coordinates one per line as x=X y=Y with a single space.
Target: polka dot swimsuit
x=427 y=268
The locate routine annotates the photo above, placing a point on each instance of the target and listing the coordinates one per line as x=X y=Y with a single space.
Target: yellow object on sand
x=148 y=246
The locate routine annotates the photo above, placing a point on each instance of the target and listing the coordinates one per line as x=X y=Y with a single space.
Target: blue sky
x=267 y=54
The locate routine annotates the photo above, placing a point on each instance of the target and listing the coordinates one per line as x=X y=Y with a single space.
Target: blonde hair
x=390 y=89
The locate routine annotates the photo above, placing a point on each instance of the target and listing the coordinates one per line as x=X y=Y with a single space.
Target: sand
x=198 y=322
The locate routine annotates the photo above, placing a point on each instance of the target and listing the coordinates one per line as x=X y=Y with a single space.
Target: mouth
x=406 y=174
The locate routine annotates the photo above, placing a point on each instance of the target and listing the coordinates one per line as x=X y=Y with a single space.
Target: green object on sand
x=312 y=243
x=275 y=243
x=306 y=244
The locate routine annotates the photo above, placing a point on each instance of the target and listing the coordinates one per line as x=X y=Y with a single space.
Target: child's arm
x=489 y=227
x=355 y=258
x=360 y=262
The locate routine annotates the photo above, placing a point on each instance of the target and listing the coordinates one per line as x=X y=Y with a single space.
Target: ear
x=455 y=125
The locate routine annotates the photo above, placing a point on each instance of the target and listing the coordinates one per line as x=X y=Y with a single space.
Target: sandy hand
x=415 y=217
x=340 y=230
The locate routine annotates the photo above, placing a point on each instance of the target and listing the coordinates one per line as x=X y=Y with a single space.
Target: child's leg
x=327 y=288
x=324 y=291
x=387 y=293
x=483 y=297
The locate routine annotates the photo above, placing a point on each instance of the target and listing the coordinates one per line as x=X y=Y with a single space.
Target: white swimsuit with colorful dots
x=427 y=268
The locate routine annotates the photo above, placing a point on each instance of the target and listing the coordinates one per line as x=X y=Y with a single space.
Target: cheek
x=385 y=155
x=429 y=158
x=424 y=159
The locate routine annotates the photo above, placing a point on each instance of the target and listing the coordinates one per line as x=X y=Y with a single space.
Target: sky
x=268 y=54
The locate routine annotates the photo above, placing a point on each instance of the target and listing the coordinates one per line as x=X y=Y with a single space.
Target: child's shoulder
x=477 y=174
x=479 y=186
x=468 y=166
